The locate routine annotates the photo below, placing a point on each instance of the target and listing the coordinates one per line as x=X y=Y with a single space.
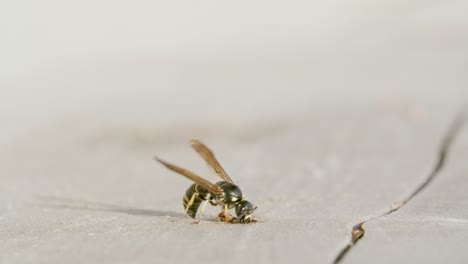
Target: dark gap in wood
x=358 y=231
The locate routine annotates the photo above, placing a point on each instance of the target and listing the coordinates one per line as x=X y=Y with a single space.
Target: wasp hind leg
x=209 y=200
x=201 y=212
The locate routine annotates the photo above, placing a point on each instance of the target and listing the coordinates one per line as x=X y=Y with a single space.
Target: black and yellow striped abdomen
x=193 y=198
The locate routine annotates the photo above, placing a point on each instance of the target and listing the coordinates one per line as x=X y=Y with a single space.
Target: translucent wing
x=209 y=157
x=212 y=188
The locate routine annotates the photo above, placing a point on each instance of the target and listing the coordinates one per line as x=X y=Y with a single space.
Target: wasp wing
x=209 y=157
x=212 y=188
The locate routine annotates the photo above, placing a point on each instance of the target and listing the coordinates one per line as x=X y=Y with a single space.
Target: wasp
x=224 y=193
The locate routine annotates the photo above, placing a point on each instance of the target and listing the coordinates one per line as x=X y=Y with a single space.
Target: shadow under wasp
x=224 y=193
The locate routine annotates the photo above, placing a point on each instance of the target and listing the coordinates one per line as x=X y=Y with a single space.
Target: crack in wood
x=358 y=231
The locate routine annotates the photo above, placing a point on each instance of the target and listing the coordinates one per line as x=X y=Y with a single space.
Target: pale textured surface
x=432 y=228
x=322 y=120
x=311 y=180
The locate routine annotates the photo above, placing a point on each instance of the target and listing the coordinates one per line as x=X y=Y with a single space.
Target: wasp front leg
x=224 y=216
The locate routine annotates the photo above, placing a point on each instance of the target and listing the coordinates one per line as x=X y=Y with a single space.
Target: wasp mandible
x=224 y=193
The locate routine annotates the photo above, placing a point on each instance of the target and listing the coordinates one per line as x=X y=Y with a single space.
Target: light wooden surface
x=322 y=127
x=432 y=227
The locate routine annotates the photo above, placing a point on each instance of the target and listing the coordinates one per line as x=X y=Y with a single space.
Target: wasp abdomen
x=193 y=198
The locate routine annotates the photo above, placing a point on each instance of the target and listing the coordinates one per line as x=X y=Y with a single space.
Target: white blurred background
x=165 y=62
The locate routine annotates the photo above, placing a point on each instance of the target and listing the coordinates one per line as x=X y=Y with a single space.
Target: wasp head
x=244 y=211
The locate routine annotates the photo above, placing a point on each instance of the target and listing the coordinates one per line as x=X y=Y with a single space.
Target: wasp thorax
x=232 y=193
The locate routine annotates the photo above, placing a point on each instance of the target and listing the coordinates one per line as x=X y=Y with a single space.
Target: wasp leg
x=192 y=199
x=201 y=212
x=224 y=216
x=212 y=201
